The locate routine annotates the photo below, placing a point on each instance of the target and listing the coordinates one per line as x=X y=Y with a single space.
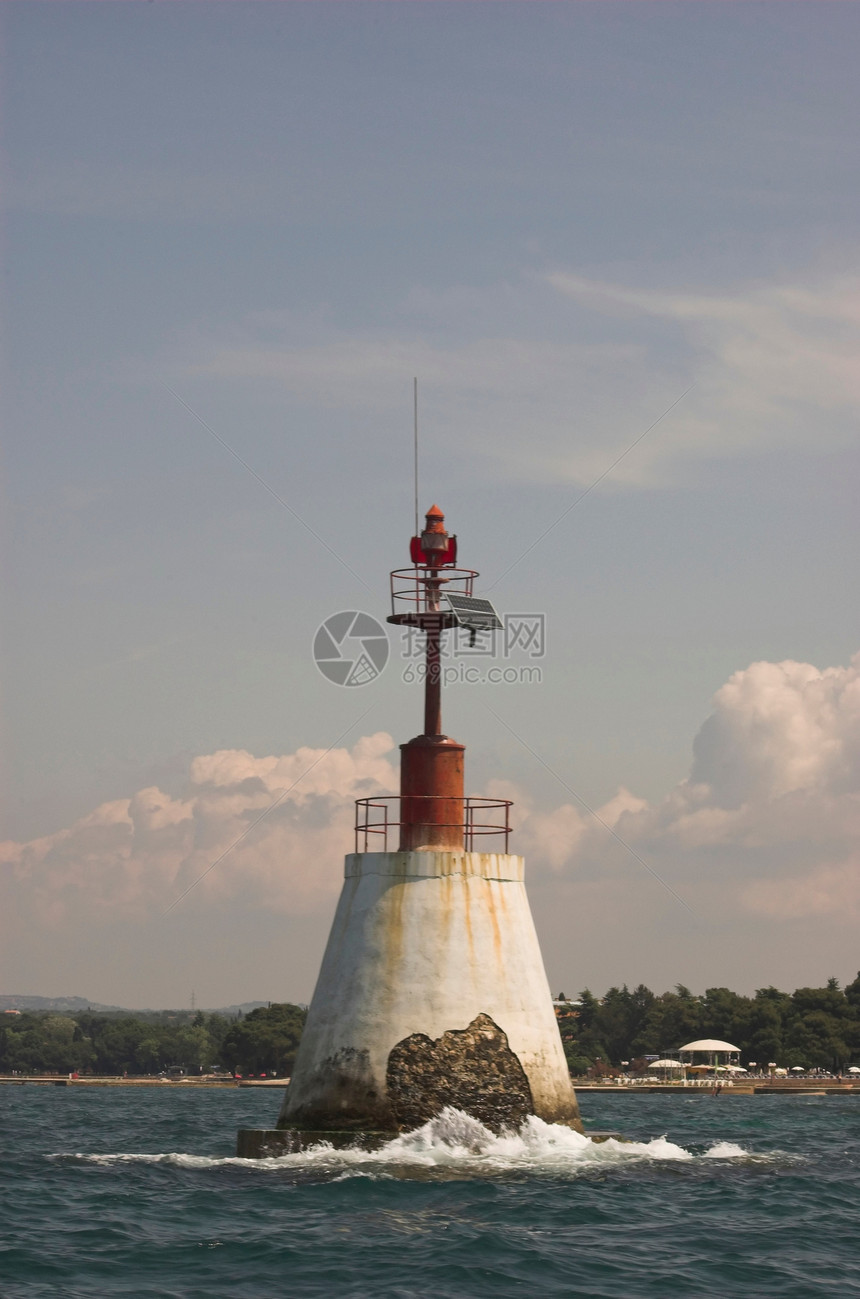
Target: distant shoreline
x=808 y=1087
x=55 y=1080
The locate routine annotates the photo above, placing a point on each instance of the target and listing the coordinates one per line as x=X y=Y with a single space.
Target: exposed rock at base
x=472 y=1069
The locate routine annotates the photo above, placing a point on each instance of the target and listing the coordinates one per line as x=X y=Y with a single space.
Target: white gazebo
x=668 y=1068
x=710 y=1052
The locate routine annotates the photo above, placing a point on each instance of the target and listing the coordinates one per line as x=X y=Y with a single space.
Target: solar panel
x=472 y=612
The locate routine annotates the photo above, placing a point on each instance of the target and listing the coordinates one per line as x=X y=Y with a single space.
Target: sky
x=617 y=243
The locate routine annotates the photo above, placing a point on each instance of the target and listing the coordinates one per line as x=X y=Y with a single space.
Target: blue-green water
x=134 y=1192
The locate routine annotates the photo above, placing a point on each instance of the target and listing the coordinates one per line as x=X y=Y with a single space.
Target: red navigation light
x=434 y=548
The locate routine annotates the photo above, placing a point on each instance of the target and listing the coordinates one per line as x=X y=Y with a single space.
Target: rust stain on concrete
x=494 y=921
x=467 y=921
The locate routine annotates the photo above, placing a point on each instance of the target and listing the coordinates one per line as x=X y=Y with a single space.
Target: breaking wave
x=456 y=1142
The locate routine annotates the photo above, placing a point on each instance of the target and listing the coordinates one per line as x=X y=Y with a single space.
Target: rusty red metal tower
x=434 y=812
x=431 y=765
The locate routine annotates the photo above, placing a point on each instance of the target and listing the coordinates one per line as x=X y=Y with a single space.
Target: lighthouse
x=432 y=990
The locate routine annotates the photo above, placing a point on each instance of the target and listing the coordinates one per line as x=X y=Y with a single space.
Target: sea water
x=135 y=1192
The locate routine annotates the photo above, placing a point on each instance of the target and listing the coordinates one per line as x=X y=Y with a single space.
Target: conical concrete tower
x=432 y=990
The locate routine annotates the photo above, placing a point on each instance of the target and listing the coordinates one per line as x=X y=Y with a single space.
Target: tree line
x=810 y=1027
x=263 y=1041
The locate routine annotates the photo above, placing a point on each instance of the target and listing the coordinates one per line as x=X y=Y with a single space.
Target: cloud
x=778 y=728
x=555 y=376
x=534 y=410
x=766 y=824
x=767 y=821
x=825 y=891
x=135 y=856
x=774 y=364
x=554 y=838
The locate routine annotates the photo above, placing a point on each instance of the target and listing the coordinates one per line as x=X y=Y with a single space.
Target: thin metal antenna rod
x=415 y=397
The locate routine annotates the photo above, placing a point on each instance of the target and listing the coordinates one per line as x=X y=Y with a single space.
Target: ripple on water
x=143 y=1198
x=455 y=1145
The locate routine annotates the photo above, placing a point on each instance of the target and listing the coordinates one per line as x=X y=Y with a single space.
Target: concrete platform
x=271 y=1143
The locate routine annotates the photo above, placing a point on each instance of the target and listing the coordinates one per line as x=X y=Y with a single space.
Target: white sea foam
x=726 y=1150
x=456 y=1142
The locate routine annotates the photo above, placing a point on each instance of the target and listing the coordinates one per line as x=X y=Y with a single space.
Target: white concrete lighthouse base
x=432 y=992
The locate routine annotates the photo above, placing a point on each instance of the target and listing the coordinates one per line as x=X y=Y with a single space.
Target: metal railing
x=410 y=587
x=371 y=832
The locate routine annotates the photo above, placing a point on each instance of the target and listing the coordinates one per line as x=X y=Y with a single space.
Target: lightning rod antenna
x=415 y=440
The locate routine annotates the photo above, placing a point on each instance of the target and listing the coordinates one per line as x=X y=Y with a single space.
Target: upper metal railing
x=414 y=589
x=376 y=817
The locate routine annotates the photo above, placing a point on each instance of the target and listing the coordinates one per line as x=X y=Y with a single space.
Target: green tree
x=612 y=1024
x=619 y=1021
x=852 y=996
x=760 y=1033
x=39 y=1043
x=265 y=1041
x=672 y=1019
x=117 y=1042
x=147 y=1055
x=817 y=1039
x=723 y=1014
x=588 y=1010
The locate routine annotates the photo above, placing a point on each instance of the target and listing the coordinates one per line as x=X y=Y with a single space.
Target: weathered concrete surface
x=423 y=944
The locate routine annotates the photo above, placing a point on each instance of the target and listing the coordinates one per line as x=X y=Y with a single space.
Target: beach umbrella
x=854 y=1069
x=797 y=1068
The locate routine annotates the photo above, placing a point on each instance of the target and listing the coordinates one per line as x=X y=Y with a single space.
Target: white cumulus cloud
x=136 y=856
x=769 y=817
x=766 y=824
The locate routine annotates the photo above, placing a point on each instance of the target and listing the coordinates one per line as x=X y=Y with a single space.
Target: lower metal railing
x=376 y=817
